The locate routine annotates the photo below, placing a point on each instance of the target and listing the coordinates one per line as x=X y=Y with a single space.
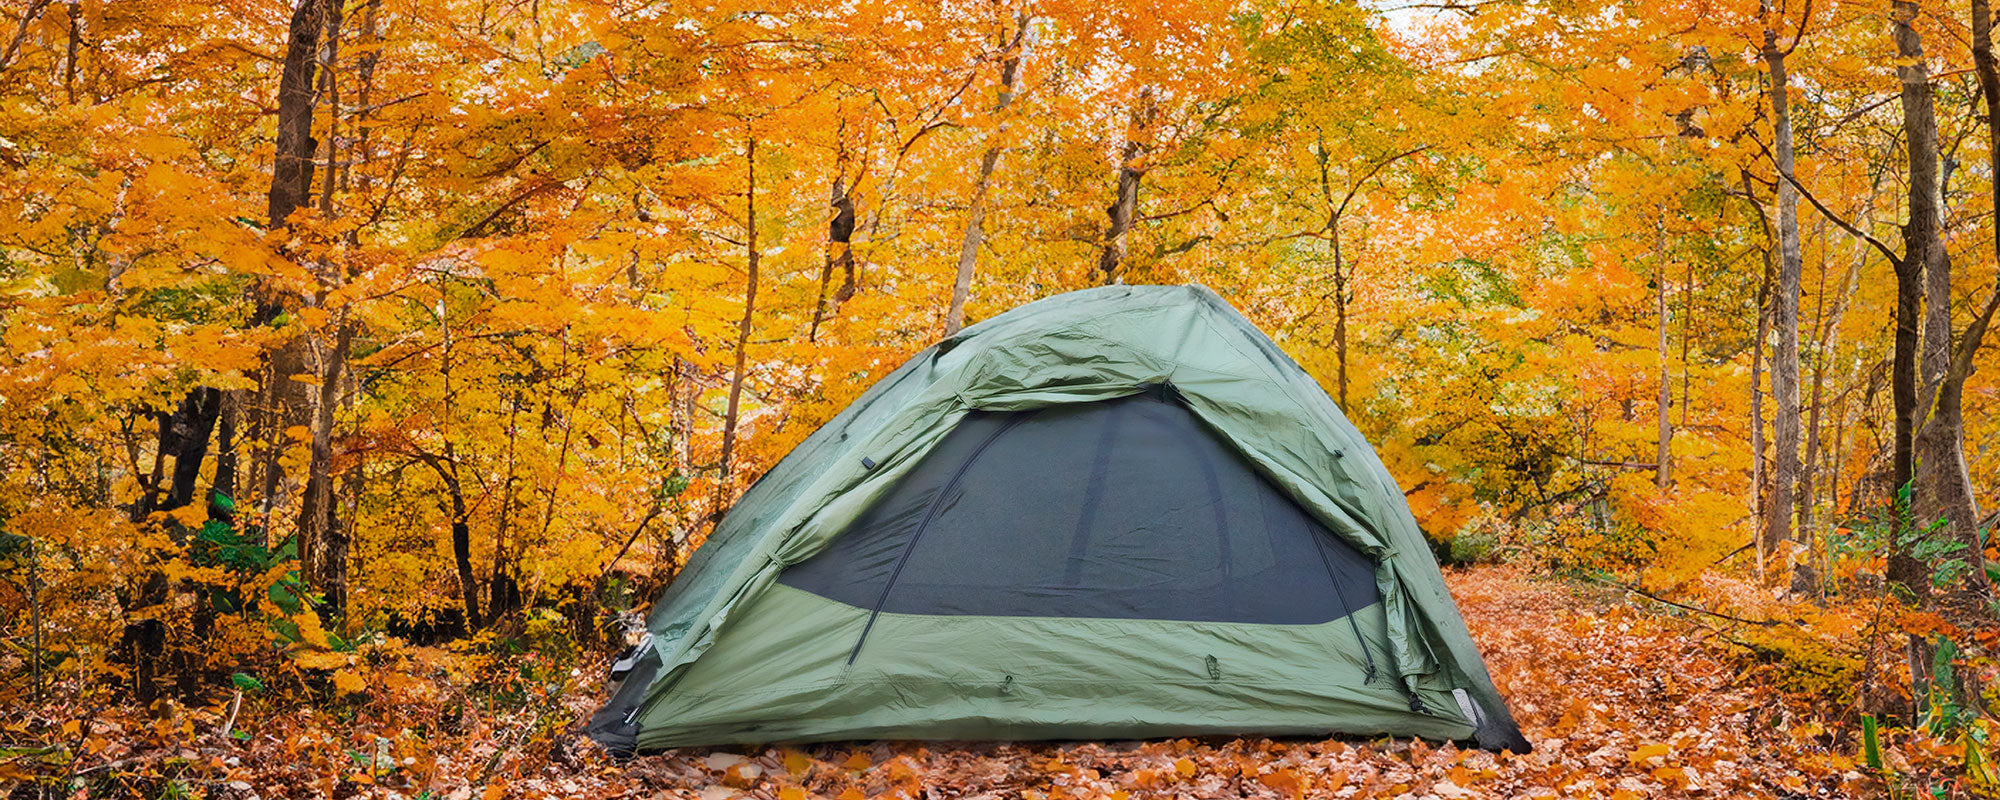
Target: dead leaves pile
x=1619 y=702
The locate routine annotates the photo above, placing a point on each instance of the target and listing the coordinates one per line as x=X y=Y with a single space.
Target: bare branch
x=1828 y=213
x=21 y=33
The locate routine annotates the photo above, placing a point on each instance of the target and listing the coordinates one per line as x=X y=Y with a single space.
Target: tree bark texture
x=1920 y=237
x=292 y=171
x=1779 y=513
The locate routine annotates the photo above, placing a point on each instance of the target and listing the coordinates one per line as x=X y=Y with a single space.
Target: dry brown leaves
x=1620 y=703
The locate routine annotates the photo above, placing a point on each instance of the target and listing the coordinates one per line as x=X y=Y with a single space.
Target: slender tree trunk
x=322 y=542
x=353 y=484
x=1836 y=470
x=21 y=31
x=222 y=487
x=1339 y=310
x=1920 y=236
x=1663 y=457
x=1119 y=214
x=329 y=86
x=841 y=237
x=1331 y=233
x=517 y=546
x=968 y=250
x=1829 y=336
x=461 y=541
x=364 y=146
x=1784 y=320
x=687 y=394
x=730 y=416
x=1124 y=208
x=497 y=596
x=1688 y=285
x=1810 y=461
x=75 y=44
x=839 y=255
x=1757 y=477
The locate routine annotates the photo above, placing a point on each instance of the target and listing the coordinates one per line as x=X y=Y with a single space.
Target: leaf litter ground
x=1620 y=702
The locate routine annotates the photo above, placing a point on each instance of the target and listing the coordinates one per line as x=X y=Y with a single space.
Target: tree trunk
x=1757 y=493
x=1829 y=336
x=1333 y=245
x=730 y=416
x=446 y=468
x=839 y=254
x=192 y=426
x=1920 y=237
x=75 y=43
x=1945 y=489
x=1942 y=489
x=461 y=551
x=968 y=250
x=292 y=171
x=1339 y=311
x=503 y=592
x=330 y=88
x=364 y=73
x=1124 y=208
x=1663 y=457
x=1785 y=322
x=222 y=487
x=322 y=542
x=280 y=400
x=184 y=435
x=1947 y=492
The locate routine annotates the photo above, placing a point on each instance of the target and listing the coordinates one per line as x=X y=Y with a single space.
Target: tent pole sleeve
x=1340 y=591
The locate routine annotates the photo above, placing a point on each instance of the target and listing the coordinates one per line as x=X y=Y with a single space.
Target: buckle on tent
x=623 y=666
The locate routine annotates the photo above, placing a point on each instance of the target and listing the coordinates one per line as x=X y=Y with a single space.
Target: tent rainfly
x=1114 y=513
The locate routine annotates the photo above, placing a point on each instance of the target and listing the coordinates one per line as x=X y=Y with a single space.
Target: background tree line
x=347 y=318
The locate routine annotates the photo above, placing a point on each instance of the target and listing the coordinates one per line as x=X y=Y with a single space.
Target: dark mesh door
x=1128 y=508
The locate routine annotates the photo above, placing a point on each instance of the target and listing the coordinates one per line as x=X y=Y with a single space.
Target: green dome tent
x=1114 y=513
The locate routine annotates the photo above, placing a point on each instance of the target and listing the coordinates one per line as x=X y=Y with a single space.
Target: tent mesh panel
x=1125 y=509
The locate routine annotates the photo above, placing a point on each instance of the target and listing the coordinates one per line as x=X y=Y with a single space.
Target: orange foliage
x=529 y=244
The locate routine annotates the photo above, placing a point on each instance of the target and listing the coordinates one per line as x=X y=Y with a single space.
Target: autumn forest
x=367 y=367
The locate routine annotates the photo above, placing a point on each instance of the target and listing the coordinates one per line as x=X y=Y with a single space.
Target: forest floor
x=1619 y=700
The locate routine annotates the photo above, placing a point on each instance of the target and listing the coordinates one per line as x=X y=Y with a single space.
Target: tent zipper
x=930 y=515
